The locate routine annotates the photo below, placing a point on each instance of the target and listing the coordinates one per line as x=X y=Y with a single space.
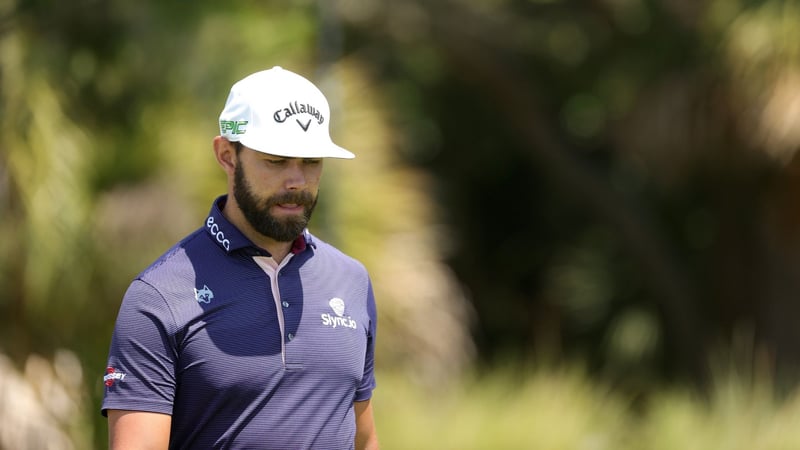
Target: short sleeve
x=364 y=390
x=140 y=374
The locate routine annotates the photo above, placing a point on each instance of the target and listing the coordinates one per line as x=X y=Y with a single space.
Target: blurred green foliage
x=563 y=408
x=607 y=167
x=613 y=181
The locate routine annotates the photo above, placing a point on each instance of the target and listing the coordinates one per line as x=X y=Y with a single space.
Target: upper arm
x=141 y=365
x=366 y=435
x=138 y=430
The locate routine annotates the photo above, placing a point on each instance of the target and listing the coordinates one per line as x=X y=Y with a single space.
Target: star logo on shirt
x=203 y=295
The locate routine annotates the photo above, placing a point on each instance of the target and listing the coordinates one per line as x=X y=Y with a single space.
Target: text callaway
x=281 y=115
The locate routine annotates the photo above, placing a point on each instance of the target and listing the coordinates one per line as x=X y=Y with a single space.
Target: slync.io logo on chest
x=339 y=319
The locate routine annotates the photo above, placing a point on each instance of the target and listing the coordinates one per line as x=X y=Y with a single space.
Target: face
x=277 y=195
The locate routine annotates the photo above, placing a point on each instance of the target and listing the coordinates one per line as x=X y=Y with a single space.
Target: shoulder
x=176 y=258
x=336 y=257
x=174 y=271
x=166 y=288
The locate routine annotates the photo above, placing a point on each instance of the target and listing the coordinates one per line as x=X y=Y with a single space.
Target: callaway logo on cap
x=279 y=112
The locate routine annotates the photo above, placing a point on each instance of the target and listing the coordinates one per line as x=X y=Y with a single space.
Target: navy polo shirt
x=242 y=352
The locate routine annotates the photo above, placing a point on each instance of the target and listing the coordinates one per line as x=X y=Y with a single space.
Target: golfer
x=250 y=333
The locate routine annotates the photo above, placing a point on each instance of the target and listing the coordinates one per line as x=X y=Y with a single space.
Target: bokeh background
x=582 y=217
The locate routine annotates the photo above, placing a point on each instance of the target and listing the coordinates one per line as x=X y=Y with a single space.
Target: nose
x=295 y=175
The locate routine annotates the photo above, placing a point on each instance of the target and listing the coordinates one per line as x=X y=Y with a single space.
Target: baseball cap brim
x=290 y=149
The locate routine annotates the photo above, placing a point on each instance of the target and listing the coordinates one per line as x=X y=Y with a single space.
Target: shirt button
x=285 y=304
x=290 y=336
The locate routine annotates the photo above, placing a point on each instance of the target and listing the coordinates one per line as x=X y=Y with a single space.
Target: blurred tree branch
x=513 y=96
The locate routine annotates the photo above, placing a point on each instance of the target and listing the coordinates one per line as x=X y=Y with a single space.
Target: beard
x=256 y=209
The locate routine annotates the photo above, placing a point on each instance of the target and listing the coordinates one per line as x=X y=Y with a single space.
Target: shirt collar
x=229 y=238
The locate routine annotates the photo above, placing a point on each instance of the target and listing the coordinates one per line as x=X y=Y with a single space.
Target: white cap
x=279 y=112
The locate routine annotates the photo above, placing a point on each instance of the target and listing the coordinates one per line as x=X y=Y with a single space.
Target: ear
x=225 y=154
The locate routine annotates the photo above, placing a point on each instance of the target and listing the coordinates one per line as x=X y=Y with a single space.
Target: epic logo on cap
x=234 y=126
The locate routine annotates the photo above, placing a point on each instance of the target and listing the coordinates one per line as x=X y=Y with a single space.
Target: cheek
x=314 y=176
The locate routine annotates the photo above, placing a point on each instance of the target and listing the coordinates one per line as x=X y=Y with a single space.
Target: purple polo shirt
x=242 y=352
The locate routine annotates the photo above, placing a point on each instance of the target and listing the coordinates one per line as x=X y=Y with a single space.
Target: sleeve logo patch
x=111 y=376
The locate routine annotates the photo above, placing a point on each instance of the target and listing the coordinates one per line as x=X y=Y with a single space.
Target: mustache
x=298 y=198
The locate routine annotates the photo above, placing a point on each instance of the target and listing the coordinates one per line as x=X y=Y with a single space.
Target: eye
x=312 y=162
x=276 y=162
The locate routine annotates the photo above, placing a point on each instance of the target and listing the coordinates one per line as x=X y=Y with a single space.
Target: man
x=251 y=332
